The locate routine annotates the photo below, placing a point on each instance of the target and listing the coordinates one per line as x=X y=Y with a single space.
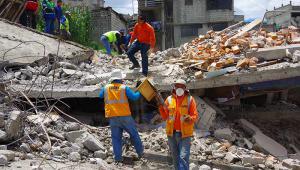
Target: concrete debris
x=225 y=134
x=3 y=136
x=253 y=160
x=204 y=167
x=296 y=56
x=74 y=157
x=3 y=160
x=10 y=155
x=91 y=143
x=291 y=163
x=2 y=121
x=100 y=154
x=13 y=127
x=25 y=148
x=230 y=157
x=72 y=136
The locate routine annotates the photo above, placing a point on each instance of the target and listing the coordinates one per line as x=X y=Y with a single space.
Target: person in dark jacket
x=58 y=13
x=49 y=15
x=28 y=17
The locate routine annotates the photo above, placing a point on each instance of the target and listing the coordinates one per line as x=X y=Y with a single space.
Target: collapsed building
x=49 y=99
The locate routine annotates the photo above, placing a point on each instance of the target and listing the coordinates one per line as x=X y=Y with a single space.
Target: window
x=219 y=4
x=188 y=2
x=190 y=30
x=218 y=26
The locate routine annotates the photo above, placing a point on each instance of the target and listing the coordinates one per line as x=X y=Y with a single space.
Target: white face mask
x=179 y=92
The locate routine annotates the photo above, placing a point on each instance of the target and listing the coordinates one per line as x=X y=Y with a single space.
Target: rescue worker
x=112 y=37
x=28 y=17
x=144 y=35
x=58 y=14
x=65 y=26
x=180 y=112
x=117 y=110
x=49 y=15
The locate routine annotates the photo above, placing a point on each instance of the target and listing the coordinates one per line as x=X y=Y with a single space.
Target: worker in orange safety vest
x=117 y=110
x=180 y=112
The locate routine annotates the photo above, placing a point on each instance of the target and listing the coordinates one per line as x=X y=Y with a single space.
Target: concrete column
x=284 y=95
x=270 y=97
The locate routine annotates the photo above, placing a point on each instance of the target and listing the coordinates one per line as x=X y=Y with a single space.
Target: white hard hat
x=180 y=81
x=116 y=75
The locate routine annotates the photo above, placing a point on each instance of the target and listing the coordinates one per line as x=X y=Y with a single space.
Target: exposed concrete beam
x=279 y=71
x=282 y=71
x=273 y=52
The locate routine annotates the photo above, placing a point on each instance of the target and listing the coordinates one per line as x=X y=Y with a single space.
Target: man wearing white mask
x=180 y=112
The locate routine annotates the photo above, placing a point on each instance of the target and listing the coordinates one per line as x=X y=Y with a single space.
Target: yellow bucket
x=147 y=90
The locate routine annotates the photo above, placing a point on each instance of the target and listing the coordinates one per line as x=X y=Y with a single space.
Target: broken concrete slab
x=3 y=160
x=253 y=160
x=273 y=53
x=270 y=146
x=91 y=143
x=73 y=135
x=291 y=163
x=13 y=127
x=206 y=115
x=225 y=133
x=249 y=127
x=9 y=154
x=231 y=157
x=33 y=46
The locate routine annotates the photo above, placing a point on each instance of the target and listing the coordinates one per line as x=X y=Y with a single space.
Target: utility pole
x=132 y=7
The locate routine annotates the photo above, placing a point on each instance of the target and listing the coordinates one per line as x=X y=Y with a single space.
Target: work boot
x=134 y=66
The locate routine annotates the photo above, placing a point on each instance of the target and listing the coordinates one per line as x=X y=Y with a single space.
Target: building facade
x=92 y=4
x=182 y=20
x=284 y=16
x=104 y=20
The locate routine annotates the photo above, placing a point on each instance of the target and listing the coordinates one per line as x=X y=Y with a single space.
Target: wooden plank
x=245 y=29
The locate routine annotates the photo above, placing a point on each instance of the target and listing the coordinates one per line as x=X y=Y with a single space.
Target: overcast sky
x=249 y=8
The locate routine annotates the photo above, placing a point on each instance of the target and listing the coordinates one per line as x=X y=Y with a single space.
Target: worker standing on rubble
x=144 y=35
x=65 y=26
x=113 y=37
x=49 y=15
x=117 y=110
x=180 y=112
x=28 y=17
x=58 y=14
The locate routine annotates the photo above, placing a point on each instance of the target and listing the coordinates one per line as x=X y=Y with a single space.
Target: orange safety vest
x=116 y=102
x=187 y=129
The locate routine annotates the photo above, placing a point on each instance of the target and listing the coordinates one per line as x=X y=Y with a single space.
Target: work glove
x=128 y=46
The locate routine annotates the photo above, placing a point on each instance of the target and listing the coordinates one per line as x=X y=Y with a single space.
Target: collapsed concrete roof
x=206 y=54
x=23 y=45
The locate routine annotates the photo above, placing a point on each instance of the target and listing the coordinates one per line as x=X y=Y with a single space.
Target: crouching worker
x=180 y=112
x=117 y=110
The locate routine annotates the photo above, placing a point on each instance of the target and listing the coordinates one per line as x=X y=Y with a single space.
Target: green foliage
x=80 y=26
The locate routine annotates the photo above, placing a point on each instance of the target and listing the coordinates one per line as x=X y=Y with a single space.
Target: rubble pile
x=48 y=135
x=215 y=51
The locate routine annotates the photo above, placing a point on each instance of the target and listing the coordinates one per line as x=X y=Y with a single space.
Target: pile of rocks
x=70 y=141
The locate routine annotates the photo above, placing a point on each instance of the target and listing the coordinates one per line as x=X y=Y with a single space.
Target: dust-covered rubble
x=71 y=141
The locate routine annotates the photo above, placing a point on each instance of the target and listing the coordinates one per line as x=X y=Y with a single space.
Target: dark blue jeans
x=49 y=23
x=106 y=44
x=117 y=125
x=180 y=150
x=135 y=47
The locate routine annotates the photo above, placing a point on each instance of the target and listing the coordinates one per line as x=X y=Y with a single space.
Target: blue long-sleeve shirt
x=58 y=12
x=131 y=95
